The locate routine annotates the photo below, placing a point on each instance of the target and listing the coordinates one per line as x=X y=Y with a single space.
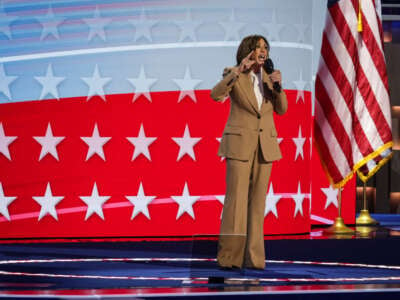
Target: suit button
x=258 y=117
x=260 y=130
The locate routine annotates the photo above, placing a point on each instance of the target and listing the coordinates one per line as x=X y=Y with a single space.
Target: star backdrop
x=107 y=127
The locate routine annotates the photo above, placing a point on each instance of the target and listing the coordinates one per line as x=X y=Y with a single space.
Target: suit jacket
x=247 y=125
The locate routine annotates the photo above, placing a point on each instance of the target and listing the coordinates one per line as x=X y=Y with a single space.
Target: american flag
x=107 y=127
x=352 y=109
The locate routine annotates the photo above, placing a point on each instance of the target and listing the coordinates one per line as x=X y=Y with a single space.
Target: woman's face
x=261 y=52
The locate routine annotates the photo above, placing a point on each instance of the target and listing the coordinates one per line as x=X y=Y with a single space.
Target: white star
x=186 y=144
x=94 y=202
x=188 y=27
x=301 y=28
x=279 y=140
x=5 y=82
x=142 y=85
x=141 y=143
x=50 y=23
x=270 y=202
x=96 y=84
x=273 y=28
x=143 y=26
x=95 y=143
x=300 y=86
x=48 y=203
x=5 y=23
x=219 y=141
x=4 y=202
x=49 y=143
x=299 y=141
x=49 y=83
x=140 y=202
x=96 y=25
x=187 y=85
x=5 y=141
x=298 y=200
x=232 y=27
x=221 y=199
x=185 y=203
x=331 y=196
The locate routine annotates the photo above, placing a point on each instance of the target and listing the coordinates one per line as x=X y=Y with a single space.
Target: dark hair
x=248 y=44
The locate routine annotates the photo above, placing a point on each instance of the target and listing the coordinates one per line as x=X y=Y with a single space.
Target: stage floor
x=361 y=266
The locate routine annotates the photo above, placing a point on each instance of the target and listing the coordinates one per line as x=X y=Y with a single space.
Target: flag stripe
x=334 y=120
x=334 y=147
x=361 y=54
x=328 y=162
x=366 y=130
x=342 y=92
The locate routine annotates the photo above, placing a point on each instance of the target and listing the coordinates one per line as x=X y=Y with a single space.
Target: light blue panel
x=165 y=37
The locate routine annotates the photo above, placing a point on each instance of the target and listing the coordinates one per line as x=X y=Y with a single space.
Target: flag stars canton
x=271 y=201
x=5 y=201
x=274 y=28
x=300 y=87
x=5 y=141
x=187 y=86
x=49 y=83
x=48 y=203
x=95 y=143
x=299 y=142
x=141 y=143
x=94 y=203
x=188 y=27
x=96 y=84
x=97 y=25
x=140 y=203
x=50 y=24
x=298 y=199
x=186 y=144
x=185 y=203
x=5 y=81
x=143 y=27
x=331 y=196
x=48 y=143
x=142 y=85
x=232 y=27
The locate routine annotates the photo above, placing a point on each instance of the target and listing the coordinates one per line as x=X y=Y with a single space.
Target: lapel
x=246 y=84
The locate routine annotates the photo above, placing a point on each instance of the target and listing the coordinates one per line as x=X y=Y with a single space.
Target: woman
x=250 y=145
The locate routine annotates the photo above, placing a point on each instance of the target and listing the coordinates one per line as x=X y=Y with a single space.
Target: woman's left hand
x=276 y=76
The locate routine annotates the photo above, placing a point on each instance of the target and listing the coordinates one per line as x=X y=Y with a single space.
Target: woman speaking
x=249 y=144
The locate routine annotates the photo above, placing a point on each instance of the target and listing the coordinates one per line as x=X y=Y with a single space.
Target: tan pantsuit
x=249 y=143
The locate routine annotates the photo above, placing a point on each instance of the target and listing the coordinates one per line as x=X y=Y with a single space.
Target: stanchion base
x=339 y=227
x=365 y=231
x=365 y=218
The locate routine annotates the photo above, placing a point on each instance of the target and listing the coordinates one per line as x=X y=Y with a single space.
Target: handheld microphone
x=269 y=68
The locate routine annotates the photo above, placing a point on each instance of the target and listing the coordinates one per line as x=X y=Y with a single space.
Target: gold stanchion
x=338 y=226
x=365 y=218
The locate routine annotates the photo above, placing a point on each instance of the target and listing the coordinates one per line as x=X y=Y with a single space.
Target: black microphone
x=269 y=68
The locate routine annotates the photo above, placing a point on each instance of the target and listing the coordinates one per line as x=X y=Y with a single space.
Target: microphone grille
x=268 y=66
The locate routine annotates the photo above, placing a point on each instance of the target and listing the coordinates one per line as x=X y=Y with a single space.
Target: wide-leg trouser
x=241 y=240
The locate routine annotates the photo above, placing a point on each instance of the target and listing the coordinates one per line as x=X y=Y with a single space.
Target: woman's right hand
x=246 y=62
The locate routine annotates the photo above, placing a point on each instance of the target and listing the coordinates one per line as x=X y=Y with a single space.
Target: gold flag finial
x=359 y=23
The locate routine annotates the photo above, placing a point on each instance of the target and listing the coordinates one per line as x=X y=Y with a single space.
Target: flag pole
x=365 y=218
x=339 y=227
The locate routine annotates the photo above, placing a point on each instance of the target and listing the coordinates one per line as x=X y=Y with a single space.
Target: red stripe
x=329 y=162
x=334 y=120
x=373 y=106
x=362 y=83
x=376 y=53
x=346 y=90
